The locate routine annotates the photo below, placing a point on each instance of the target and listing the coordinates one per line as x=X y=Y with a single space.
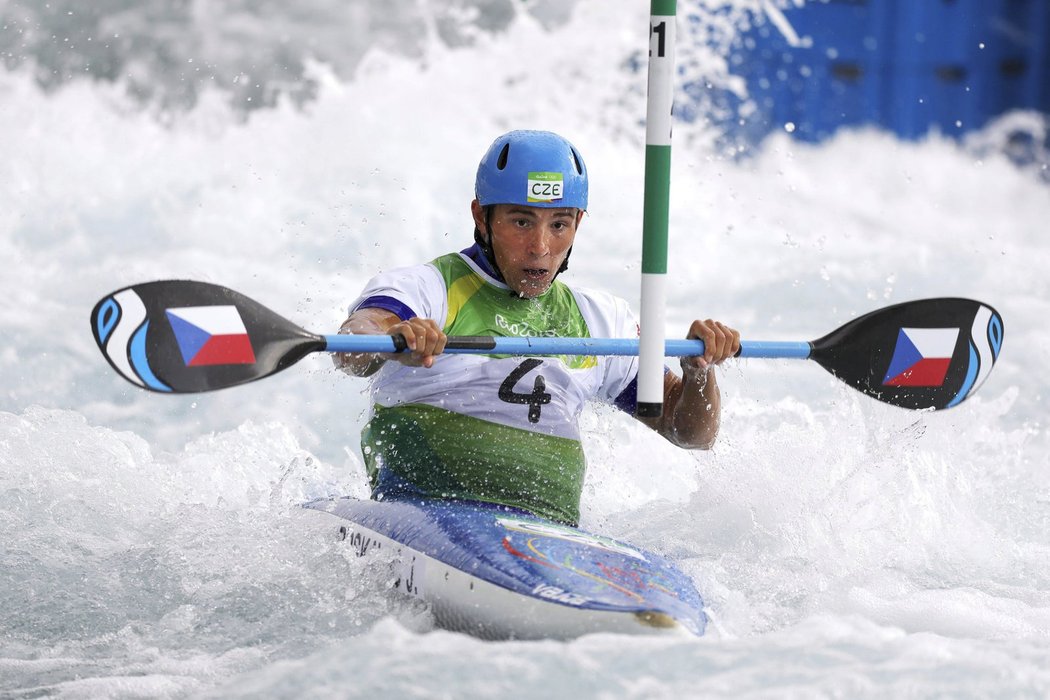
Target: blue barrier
x=906 y=65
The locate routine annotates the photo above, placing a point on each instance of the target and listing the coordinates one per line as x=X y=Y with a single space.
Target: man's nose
x=540 y=242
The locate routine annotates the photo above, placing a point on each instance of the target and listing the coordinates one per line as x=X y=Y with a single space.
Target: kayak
x=500 y=573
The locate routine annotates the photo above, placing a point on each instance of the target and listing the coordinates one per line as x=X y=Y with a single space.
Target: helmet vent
x=576 y=160
x=501 y=162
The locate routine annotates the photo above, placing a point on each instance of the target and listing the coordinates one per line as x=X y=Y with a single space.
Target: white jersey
x=470 y=384
x=471 y=416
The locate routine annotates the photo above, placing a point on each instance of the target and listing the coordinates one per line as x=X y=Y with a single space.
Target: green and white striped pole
x=655 y=213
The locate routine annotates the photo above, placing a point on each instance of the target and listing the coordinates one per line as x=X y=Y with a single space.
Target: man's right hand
x=424 y=338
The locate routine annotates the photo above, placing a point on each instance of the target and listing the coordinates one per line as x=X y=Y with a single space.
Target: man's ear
x=478 y=212
x=579 y=217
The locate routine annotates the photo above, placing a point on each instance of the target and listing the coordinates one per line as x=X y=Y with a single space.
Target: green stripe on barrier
x=655 y=219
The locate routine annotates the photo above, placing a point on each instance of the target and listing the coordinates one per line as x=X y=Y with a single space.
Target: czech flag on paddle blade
x=211 y=335
x=922 y=357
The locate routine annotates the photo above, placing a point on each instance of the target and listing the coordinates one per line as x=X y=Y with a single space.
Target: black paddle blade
x=931 y=353
x=179 y=336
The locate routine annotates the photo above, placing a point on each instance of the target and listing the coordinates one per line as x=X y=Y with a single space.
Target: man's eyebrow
x=521 y=210
x=530 y=212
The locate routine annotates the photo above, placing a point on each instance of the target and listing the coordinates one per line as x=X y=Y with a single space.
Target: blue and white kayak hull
x=501 y=574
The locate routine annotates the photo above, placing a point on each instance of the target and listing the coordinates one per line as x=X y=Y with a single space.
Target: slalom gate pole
x=655 y=213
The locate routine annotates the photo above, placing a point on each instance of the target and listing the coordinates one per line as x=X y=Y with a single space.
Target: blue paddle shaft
x=485 y=345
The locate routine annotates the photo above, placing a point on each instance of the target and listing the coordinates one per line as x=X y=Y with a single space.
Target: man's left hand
x=720 y=343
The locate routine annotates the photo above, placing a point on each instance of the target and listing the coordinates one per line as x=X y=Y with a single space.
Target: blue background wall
x=906 y=65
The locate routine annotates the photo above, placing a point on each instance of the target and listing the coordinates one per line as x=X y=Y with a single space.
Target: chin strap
x=564 y=264
x=484 y=242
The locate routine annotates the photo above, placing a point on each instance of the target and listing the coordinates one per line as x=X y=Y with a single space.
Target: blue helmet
x=534 y=168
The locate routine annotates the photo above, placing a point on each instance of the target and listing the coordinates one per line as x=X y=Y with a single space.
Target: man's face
x=530 y=243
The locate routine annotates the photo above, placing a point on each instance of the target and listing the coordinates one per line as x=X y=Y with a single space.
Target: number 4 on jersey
x=536 y=399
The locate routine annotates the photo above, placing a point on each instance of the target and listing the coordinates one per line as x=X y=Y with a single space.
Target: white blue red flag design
x=211 y=335
x=922 y=357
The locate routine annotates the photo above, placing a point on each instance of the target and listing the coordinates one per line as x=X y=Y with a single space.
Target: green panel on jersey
x=478 y=308
x=449 y=455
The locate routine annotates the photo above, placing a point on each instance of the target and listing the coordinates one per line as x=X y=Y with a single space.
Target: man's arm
x=423 y=336
x=692 y=402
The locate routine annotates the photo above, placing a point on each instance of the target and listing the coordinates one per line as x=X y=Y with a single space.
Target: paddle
x=180 y=336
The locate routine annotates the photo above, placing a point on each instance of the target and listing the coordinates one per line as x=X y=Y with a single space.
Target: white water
x=152 y=546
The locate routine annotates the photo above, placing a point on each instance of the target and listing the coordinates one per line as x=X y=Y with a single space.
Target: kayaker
x=505 y=430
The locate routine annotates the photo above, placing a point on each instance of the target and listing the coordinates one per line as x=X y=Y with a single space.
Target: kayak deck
x=498 y=573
